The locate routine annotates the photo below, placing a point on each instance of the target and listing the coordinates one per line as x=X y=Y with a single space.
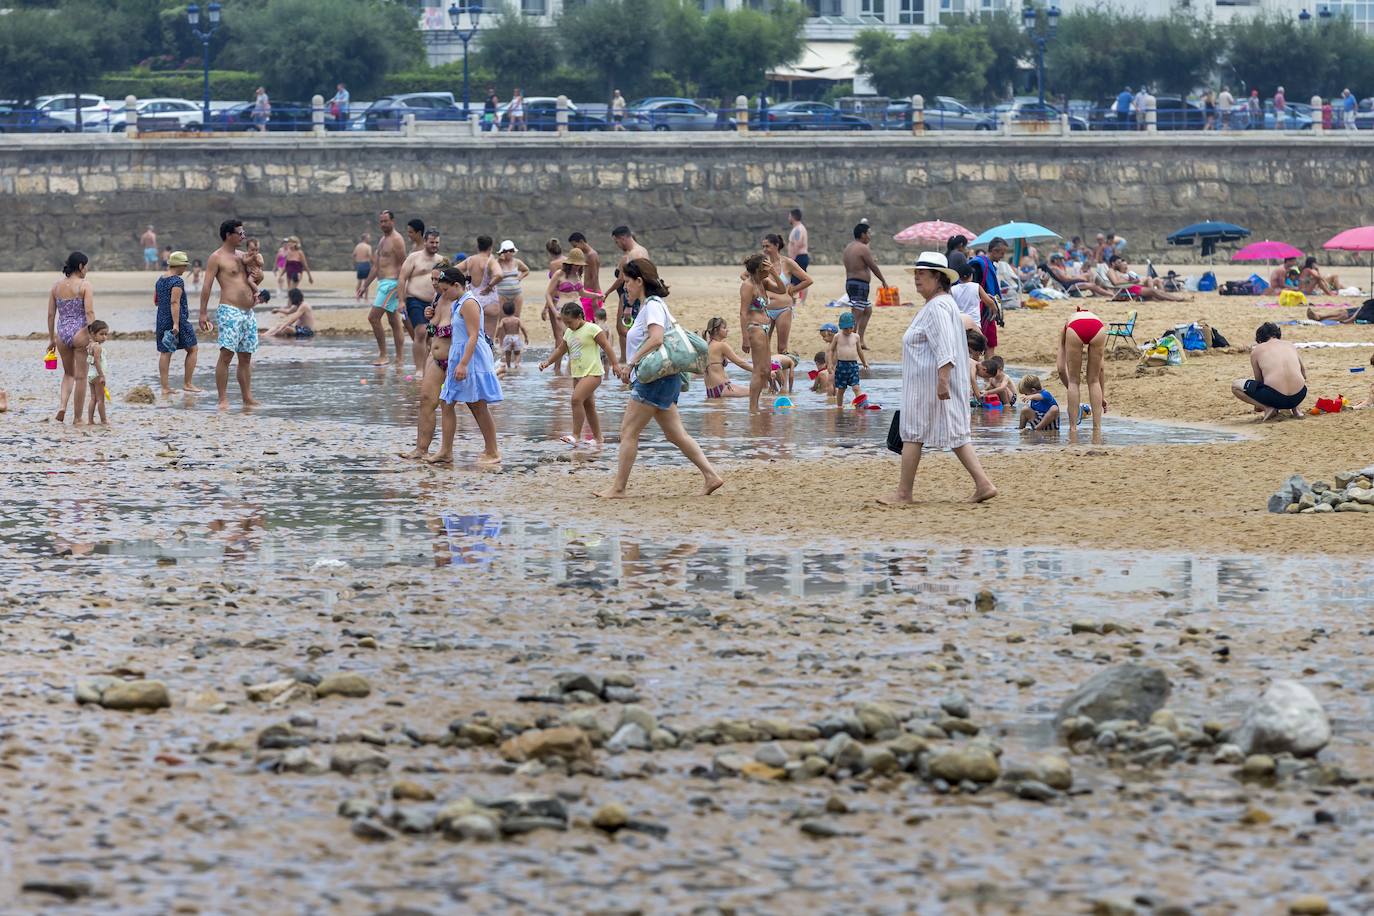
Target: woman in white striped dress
x=935 y=382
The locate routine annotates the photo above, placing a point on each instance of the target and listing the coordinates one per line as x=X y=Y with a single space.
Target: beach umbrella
x=1016 y=232
x=1361 y=238
x=1266 y=251
x=1209 y=234
x=936 y=231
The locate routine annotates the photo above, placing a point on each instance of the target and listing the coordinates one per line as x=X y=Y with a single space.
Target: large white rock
x=1286 y=718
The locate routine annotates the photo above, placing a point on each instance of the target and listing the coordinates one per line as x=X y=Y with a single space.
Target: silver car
x=670 y=114
x=941 y=113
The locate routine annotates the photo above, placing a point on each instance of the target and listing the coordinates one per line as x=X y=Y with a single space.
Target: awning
x=822 y=60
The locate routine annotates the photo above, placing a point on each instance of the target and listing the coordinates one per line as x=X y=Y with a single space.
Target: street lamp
x=193 y=15
x=455 y=15
x=1030 y=16
x=1305 y=17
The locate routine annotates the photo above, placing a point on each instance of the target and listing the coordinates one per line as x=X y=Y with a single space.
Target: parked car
x=1297 y=116
x=285 y=116
x=21 y=118
x=1172 y=112
x=162 y=114
x=541 y=113
x=1028 y=109
x=807 y=116
x=941 y=113
x=672 y=114
x=388 y=112
x=95 y=111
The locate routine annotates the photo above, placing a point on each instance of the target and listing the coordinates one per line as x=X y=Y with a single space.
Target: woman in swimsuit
x=295 y=263
x=71 y=307
x=761 y=294
x=440 y=316
x=513 y=270
x=555 y=250
x=1084 y=333
x=720 y=352
x=1311 y=280
x=564 y=284
x=793 y=279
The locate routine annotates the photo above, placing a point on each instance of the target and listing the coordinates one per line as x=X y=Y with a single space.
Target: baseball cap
x=178 y=259
x=506 y=245
x=846 y=320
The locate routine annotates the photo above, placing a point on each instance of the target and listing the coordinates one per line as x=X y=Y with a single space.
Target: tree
x=944 y=62
x=1010 y=46
x=1271 y=51
x=44 y=52
x=618 y=39
x=519 y=52
x=735 y=49
x=304 y=47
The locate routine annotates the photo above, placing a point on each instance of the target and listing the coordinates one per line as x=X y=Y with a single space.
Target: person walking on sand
x=296 y=263
x=71 y=309
x=935 y=383
x=439 y=317
x=386 y=268
x=798 y=246
x=630 y=250
x=656 y=400
x=238 y=327
x=859 y=271
x=761 y=294
x=414 y=288
x=362 y=256
x=173 y=329
x=471 y=376
x=592 y=296
x=149 y=242
x=1084 y=335
x=483 y=273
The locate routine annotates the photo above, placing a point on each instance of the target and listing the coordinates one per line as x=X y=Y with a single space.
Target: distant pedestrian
x=515 y=115
x=172 y=326
x=798 y=245
x=362 y=256
x=1280 y=110
x=1139 y=104
x=338 y=106
x=262 y=109
x=149 y=242
x=1209 y=112
x=617 y=110
x=489 y=110
x=1348 y=106
x=1124 y=101
x=1255 y=111
x=1225 y=102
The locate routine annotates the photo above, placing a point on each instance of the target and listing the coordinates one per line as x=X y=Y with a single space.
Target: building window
x=534 y=7
x=875 y=8
x=951 y=7
x=911 y=12
x=824 y=7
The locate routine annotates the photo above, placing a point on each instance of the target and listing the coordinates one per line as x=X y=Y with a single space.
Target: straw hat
x=576 y=258
x=934 y=260
x=177 y=259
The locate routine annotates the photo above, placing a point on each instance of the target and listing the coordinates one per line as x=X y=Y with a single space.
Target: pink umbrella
x=1266 y=251
x=1360 y=238
x=935 y=231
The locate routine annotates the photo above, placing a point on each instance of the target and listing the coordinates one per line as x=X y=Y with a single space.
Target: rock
x=1033 y=790
x=136 y=695
x=971 y=762
x=952 y=726
x=755 y=770
x=1085 y=626
x=1123 y=692
x=876 y=718
x=880 y=760
x=662 y=739
x=343 y=685
x=478 y=734
x=300 y=760
x=1286 y=718
x=1323 y=507
x=65 y=888
x=729 y=763
x=1258 y=766
x=456 y=810
x=569 y=682
x=1228 y=754
x=844 y=752
x=365 y=828
x=985 y=601
x=1309 y=905
x=564 y=742
x=140 y=394
x=629 y=736
x=1077 y=728
x=586 y=720
x=811 y=767
x=955 y=706
x=279 y=737
x=1279 y=502
x=1256 y=817
x=351 y=759
x=908 y=745
x=733 y=732
x=832 y=725
x=823 y=829
x=91 y=689
x=772 y=754
x=620 y=695
x=357 y=807
x=472 y=827
x=1165 y=718
x=523 y=813
x=411 y=820
x=1055 y=772
x=270 y=690
x=610 y=817
x=409 y=790
x=1343 y=478
x=1354 y=507
x=619 y=679
x=637 y=715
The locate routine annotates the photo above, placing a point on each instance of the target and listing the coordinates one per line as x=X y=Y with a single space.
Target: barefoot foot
x=712 y=485
x=610 y=494
x=982 y=496
x=896 y=499
x=446 y=459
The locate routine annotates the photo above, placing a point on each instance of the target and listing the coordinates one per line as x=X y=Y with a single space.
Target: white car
x=163 y=114
x=95 y=111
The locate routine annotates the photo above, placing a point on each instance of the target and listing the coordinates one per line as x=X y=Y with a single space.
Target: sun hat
x=178 y=259
x=576 y=258
x=507 y=245
x=934 y=260
x=830 y=327
x=846 y=321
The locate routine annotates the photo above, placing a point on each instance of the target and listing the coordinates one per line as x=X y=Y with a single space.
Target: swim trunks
x=238 y=330
x=717 y=392
x=362 y=269
x=415 y=311
x=803 y=260
x=304 y=332
x=513 y=343
x=293 y=270
x=386 y=296
x=857 y=291
x=150 y=255
x=847 y=373
x=1273 y=399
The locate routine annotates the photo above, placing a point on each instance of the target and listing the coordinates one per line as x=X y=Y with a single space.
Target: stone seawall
x=690 y=198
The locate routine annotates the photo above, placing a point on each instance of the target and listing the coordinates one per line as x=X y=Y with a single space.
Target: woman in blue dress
x=471 y=374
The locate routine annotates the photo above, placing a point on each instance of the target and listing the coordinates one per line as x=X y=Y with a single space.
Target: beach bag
x=681 y=352
x=1193 y=338
x=888 y=295
x=1258 y=284
x=1291 y=297
x=1218 y=341
x=1207 y=283
x=894 y=433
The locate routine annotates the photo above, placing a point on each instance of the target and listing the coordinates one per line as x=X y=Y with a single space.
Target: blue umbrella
x=1209 y=234
x=1025 y=232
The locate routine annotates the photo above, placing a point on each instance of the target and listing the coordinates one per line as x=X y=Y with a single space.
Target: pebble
x=343 y=685
x=411 y=820
x=564 y=742
x=409 y=790
x=300 y=760
x=1228 y=754
x=985 y=601
x=1256 y=816
x=1122 y=692
x=357 y=807
x=610 y=817
x=1055 y=772
x=974 y=763
x=1286 y=718
x=823 y=829
x=1309 y=905
x=472 y=827
x=365 y=828
x=356 y=759
x=956 y=706
x=637 y=715
x=1035 y=790
x=772 y=754
x=65 y=888
x=662 y=739
x=1258 y=766
x=876 y=718
x=630 y=736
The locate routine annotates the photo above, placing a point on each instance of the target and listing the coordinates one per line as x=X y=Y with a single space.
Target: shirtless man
x=591 y=274
x=149 y=242
x=362 y=256
x=1280 y=381
x=859 y=271
x=417 y=291
x=630 y=249
x=238 y=328
x=415 y=231
x=797 y=250
x=386 y=267
x=1278 y=277
x=482 y=274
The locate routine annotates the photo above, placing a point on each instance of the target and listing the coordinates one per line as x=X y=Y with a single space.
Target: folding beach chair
x=1118 y=331
x=1120 y=293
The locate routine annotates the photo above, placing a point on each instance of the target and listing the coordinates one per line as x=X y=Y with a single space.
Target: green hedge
x=225 y=85
x=448 y=78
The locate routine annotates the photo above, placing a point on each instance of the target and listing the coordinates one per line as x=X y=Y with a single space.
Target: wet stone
x=344 y=685
x=1033 y=790
x=973 y=763
x=1123 y=692
x=357 y=807
x=300 y=760
x=628 y=737
x=564 y=742
x=365 y=828
x=1287 y=718
x=127 y=695
x=610 y=817
x=411 y=820
x=356 y=759
x=63 y=888
x=876 y=718
x=955 y=706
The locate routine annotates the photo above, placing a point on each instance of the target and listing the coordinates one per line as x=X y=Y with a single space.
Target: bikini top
x=760 y=304
x=567 y=286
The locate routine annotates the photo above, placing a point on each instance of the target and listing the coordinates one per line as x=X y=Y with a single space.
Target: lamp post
x=212 y=15
x=455 y=16
x=1030 y=16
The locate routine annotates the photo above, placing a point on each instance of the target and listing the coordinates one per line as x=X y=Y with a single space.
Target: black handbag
x=894 y=433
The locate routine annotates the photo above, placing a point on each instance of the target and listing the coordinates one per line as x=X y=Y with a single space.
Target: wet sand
x=213 y=552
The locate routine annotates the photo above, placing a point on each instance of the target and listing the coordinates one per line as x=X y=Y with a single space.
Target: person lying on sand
x=1280 y=381
x=1344 y=314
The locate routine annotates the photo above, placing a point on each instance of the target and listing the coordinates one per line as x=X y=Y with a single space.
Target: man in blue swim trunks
x=386 y=267
x=416 y=289
x=149 y=242
x=238 y=328
x=859 y=271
